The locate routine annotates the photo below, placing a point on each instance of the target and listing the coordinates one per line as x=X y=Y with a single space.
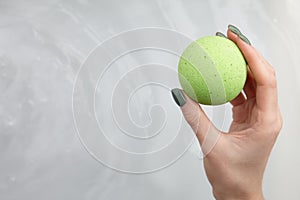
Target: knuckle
x=279 y=123
x=275 y=125
x=272 y=71
x=271 y=124
x=271 y=78
x=193 y=119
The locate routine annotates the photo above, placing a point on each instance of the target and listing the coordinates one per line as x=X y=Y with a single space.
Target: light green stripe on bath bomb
x=212 y=70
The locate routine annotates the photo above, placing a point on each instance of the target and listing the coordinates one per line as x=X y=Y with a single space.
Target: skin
x=236 y=163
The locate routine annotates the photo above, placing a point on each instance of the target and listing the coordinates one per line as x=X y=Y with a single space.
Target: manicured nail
x=245 y=39
x=220 y=34
x=178 y=97
x=234 y=29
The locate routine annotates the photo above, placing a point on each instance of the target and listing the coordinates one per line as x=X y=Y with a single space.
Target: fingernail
x=178 y=97
x=234 y=29
x=245 y=39
x=220 y=34
x=238 y=33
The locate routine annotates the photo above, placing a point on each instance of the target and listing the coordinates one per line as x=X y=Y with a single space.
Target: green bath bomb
x=212 y=70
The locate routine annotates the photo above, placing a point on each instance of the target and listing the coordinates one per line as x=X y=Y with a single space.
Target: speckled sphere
x=212 y=70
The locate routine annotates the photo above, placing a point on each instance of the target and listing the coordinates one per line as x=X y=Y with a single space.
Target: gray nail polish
x=245 y=39
x=234 y=29
x=178 y=97
x=220 y=34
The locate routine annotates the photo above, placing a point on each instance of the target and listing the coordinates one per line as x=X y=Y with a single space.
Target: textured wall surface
x=44 y=43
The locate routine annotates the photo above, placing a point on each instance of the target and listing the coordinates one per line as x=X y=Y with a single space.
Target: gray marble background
x=42 y=46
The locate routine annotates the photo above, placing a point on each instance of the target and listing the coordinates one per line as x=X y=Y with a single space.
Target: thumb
x=205 y=131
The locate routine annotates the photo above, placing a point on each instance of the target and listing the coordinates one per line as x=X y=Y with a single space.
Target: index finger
x=263 y=72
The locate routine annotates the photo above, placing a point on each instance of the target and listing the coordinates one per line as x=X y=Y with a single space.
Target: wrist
x=239 y=195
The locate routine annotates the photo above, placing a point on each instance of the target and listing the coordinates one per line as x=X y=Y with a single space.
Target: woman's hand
x=235 y=164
